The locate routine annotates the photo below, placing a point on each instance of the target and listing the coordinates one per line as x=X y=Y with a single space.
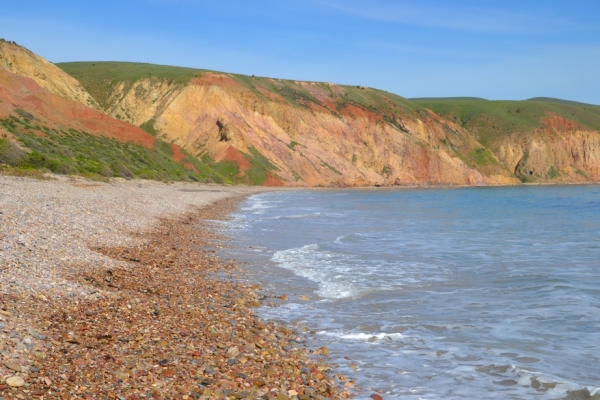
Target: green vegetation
x=74 y=152
x=261 y=166
x=553 y=173
x=101 y=79
x=296 y=176
x=292 y=145
x=482 y=157
x=490 y=120
x=387 y=171
x=148 y=126
x=324 y=164
x=580 y=172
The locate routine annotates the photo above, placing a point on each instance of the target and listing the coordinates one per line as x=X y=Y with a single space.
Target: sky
x=492 y=49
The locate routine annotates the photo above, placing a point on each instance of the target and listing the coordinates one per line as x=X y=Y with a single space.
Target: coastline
x=108 y=292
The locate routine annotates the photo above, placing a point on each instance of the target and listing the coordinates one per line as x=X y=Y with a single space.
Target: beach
x=113 y=290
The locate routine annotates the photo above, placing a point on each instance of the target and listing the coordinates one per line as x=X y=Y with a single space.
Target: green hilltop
x=100 y=79
x=491 y=119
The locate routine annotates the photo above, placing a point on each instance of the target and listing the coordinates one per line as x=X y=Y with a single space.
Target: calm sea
x=438 y=293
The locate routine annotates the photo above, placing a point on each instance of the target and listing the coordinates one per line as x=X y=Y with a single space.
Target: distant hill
x=540 y=139
x=560 y=101
x=418 y=99
x=495 y=118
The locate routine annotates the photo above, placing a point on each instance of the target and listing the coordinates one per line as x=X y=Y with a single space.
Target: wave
x=258 y=205
x=319 y=266
x=551 y=387
x=367 y=337
x=297 y=216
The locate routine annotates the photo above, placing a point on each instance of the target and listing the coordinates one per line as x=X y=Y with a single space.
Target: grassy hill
x=101 y=78
x=71 y=151
x=491 y=119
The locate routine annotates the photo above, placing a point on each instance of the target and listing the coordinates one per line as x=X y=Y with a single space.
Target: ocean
x=490 y=293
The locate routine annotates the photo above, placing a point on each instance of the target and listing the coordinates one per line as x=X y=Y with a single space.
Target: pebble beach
x=111 y=291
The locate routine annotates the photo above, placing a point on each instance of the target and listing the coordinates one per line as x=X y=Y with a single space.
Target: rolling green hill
x=489 y=120
x=101 y=79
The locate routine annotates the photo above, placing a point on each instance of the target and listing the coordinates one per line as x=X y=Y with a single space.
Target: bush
x=64 y=169
x=10 y=153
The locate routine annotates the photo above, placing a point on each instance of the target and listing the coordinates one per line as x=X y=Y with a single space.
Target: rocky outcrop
x=22 y=62
x=41 y=130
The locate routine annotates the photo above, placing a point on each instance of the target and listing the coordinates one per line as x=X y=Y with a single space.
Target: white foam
x=258 y=204
x=297 y=216
x=312 y=263
x=364 y=336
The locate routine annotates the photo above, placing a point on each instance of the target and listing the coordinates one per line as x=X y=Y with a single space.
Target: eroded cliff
x=539 y=140
x=40 y=129
x=297 y=133
x=23 y=62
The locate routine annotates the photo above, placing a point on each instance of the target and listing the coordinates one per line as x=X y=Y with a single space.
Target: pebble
x=13 y=365
x=15 y=381
x=162 y=326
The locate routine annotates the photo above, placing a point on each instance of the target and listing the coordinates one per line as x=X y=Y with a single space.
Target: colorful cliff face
x=293 y=133
x=22 y=62
x=539 y=140
x=40 y=129
x=211 y=126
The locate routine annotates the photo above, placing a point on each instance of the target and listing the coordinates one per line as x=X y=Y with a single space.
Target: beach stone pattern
x=149 y=311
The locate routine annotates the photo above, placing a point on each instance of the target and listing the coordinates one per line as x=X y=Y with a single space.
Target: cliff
x=23 y=62
x=40 y=129
x=210 y=126
x=283 y=132
x=539 y=140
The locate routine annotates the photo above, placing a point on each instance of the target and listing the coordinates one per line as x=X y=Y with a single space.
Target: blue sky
x=492 y=49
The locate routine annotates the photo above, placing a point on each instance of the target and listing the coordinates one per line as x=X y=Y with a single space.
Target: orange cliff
x=23 y=62
x=560 y=150
x=24 y=94
x=281 y=132
x=61 y=107
x=313 y=134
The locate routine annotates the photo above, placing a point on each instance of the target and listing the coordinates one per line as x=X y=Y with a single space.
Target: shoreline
x=149 y=312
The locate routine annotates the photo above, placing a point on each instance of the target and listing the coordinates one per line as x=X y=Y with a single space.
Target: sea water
x=437 y=293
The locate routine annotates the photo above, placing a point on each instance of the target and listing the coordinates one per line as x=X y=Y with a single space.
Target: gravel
x=107 y=291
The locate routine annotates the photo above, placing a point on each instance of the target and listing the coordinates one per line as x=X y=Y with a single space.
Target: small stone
x=121 y=375
x=15 y=381
x=375 y=396
x=7 y=313
x=305 y=298
x=284 y=297
x=233 y=351
x=13 y=365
